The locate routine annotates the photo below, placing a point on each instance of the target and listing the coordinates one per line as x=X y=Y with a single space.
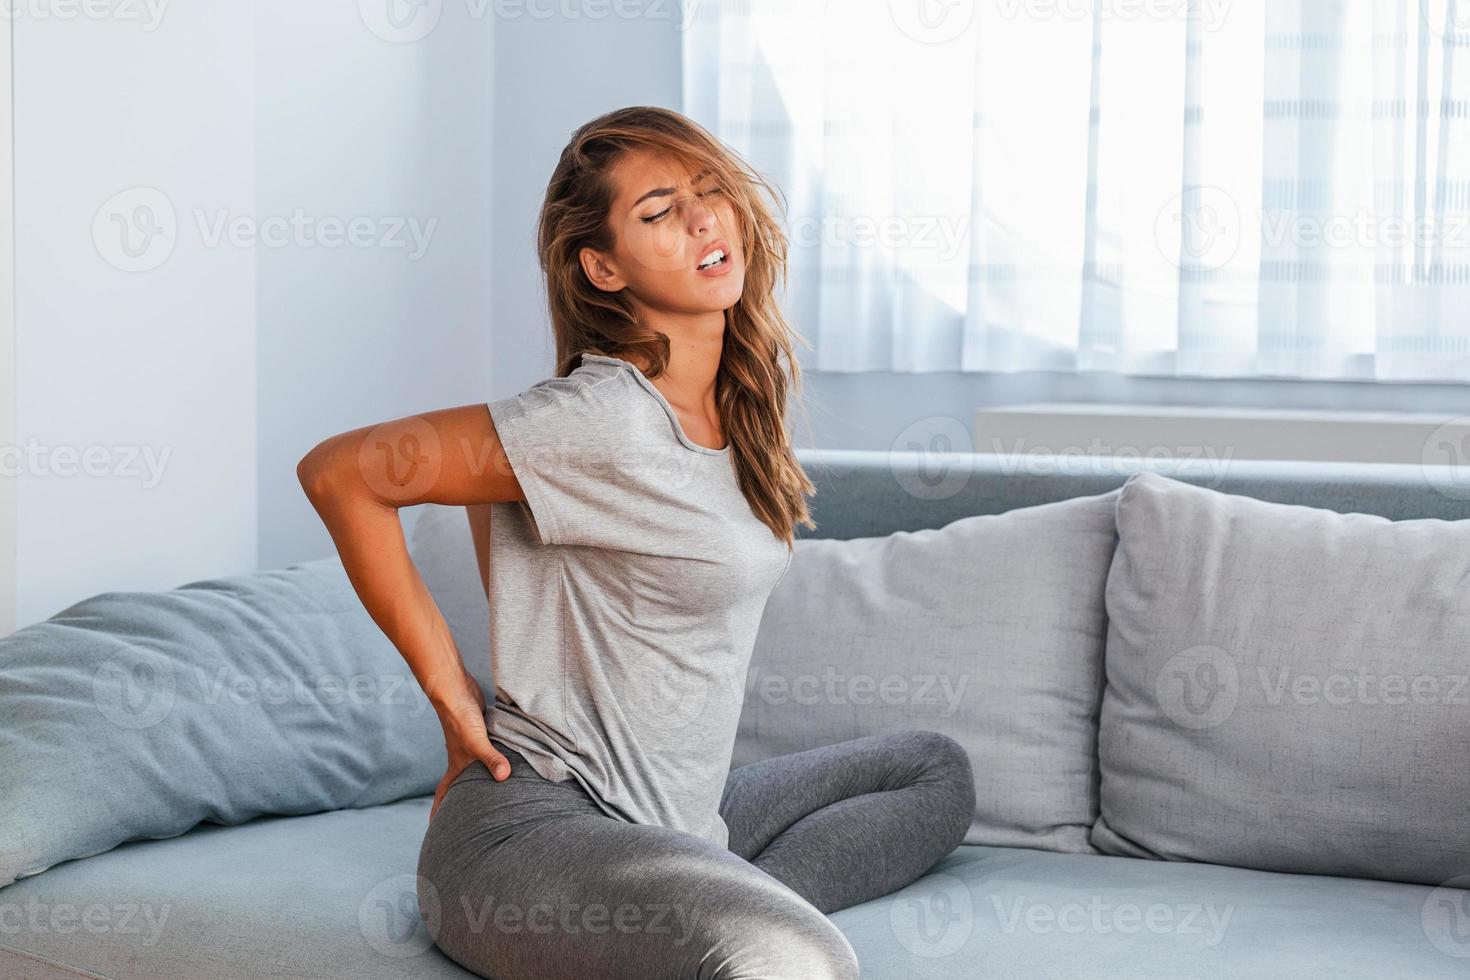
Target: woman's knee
x=950 y=763
x=800 y=945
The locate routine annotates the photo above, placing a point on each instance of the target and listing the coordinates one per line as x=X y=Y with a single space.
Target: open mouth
x=716 y=258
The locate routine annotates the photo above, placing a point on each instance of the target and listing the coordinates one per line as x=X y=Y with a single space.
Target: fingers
x=498 y=765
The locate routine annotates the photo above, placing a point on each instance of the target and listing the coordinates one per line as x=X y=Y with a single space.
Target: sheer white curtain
x=1177 y=187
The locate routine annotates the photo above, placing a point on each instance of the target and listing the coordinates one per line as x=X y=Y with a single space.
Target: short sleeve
x=582 y=450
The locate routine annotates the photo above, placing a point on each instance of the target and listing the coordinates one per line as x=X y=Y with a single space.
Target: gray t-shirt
x=625 y=595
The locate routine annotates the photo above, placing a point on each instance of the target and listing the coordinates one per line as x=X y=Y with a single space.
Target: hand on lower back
x=466 y=741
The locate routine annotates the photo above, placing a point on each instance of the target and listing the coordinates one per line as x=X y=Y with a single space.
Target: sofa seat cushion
x=318 y=896
x=331 y=895
x=1021 y=914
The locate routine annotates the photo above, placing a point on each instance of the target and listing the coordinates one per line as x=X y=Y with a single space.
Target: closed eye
x=654 y=218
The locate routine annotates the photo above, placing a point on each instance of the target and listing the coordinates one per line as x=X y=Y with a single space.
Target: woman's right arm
x=357 y=481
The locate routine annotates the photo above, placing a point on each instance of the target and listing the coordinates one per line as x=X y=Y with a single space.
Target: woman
x=643 y=504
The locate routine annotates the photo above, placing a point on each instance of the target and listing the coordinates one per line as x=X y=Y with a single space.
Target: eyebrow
x=666 y=191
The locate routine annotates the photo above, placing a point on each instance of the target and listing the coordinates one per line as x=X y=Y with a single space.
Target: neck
x=696 y=343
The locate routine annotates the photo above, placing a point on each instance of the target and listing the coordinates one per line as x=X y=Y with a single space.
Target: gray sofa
x=297 y=859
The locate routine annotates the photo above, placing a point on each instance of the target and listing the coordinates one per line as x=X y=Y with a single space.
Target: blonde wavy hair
x=756 y=364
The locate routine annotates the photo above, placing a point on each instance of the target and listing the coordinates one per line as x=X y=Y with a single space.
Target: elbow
x=314 y=472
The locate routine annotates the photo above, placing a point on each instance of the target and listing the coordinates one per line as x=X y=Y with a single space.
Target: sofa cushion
x=1286 y=687
x=332 y=895
x=141 y=714
x=325 y=895
x=1016 y=913
x=989 y=630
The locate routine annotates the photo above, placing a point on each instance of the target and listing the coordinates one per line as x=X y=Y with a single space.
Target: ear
x=599 y=271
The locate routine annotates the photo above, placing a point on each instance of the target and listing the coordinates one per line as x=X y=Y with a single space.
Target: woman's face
x=667 y=225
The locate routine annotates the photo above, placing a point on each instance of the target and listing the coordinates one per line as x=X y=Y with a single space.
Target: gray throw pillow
x=137 y=715
x=1286 y=687
x=989 y=630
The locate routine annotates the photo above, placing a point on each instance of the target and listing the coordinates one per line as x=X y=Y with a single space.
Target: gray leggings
x=527 y=878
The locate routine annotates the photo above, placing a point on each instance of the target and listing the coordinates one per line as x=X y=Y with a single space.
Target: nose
x=699 y=215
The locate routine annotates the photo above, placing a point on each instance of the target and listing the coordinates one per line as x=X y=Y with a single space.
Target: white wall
x=7 y=334
x=226 y=358
x=123 y=123
x=352 y=125
x=552 y=74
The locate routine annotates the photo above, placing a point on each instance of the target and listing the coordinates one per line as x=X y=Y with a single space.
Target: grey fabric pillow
x=1286 y=687
x=989 y=630
x=139 y=715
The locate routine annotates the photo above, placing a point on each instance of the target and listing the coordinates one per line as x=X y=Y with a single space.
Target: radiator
x=1221 y=435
